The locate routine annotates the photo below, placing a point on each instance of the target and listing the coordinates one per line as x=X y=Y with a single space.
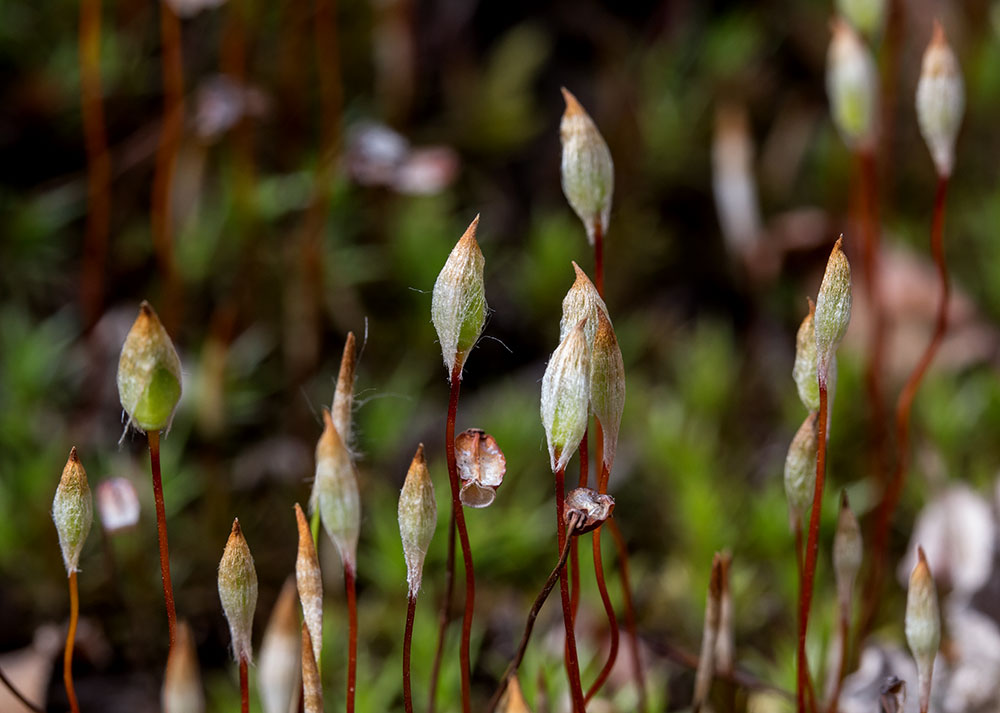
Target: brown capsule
x=312 y=687
x=238 y=591
x=589 y=507
x=309 y=581
x=343 y=398
x=481 y=467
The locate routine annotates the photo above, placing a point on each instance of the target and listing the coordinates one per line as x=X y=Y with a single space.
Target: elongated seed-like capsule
x=833 y=310
x=278 y=669
x=182 y=690
x=343 y=397
x=582 y=301
x=72 y=511
x=417 y=515
x=337 y=495
x=800 y=470
x=309 y=581
x=607 y=385
x=238 y=591
x=565 y=403
x=923 y=624
x=458 y=303
x=851 y=87
x=149 y=373
x=588 y=173
x=847 y=551
x=940 y=101
x=804 y=369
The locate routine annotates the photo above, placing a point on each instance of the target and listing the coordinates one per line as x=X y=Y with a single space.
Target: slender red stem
x=244 y=686
x=161 y=532
x=166 y=159
x=602 y=587
x=411 y=609
x=894 y=488
x=574 y=550
x=602 y=487
x=810 y=693
x=350 y=584
x=612 y=620
x=444 y=615
x=536 y=608
x=630 y=623
x=812 y=549
x=95 y=242
x=463 y=536
x=74 y=615
x=572 y=665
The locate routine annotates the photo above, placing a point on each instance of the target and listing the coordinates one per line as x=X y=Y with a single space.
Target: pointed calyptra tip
x=804 y=368
x=582 y=301
x=309 y=581
x=182 y=691
x=847 y=550
x=923 y=623
x=940 y=101
x=458 y=302
x=588 y=173
x=852 y=87
x=833 y=309
x=800 y=469
x=417 y=514
x=280 y=658
x=937 y=34
x=607 y=385
x=238 y=591
x=565 y=404
x=343 y=397
x=573 y=107
x=72 y=511
x=149 y=373
x=335 y=493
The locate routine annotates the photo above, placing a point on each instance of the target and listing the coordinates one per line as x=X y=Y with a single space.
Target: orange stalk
x=74 y=615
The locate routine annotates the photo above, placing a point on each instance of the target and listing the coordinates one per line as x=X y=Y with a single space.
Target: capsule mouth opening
x=474 y=495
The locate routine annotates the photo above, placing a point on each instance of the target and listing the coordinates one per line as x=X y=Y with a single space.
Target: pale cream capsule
x=940 y=101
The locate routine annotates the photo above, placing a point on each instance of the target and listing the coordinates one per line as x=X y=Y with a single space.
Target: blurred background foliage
x=707 y=332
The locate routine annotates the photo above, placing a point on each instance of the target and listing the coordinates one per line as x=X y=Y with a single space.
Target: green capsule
x=72 y=511
x=458 y=303
x=149 y=373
